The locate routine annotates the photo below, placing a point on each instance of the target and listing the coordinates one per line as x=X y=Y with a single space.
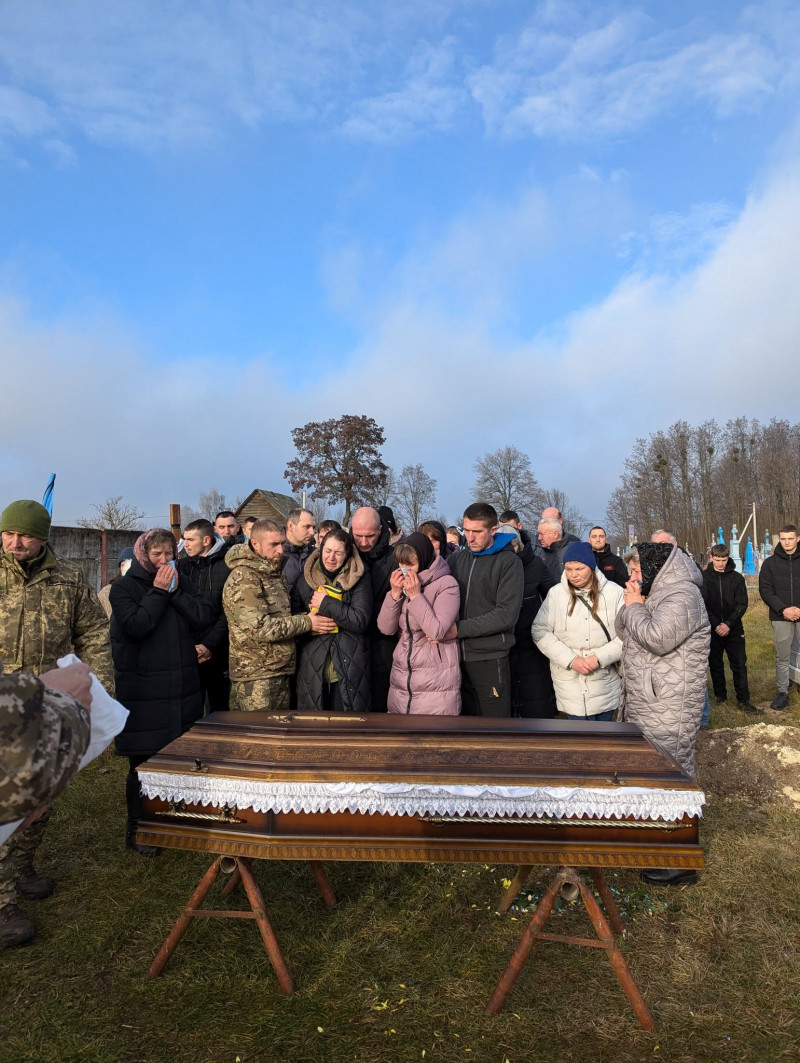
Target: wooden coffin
x=341 y=786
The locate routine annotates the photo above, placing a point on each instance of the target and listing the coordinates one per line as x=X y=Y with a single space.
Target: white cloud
x=674 y=239
x=614 y=77
x=22 y=114
x=149 y=72
x=430 y=99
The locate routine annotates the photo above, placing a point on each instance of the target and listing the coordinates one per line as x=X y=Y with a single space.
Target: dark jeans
x=532 y=695
x=733 y=645
x=486 y=688
x=133 y=797
x=380 y=690
x=215 y=684
x=381 y=652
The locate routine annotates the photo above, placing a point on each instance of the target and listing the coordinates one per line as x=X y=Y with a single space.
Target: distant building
x=267 y=505
x=84 y=547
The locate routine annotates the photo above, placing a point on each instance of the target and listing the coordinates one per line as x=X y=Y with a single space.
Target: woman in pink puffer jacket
x=422 y=608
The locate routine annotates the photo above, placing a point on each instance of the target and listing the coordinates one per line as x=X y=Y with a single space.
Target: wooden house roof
x=262 y=503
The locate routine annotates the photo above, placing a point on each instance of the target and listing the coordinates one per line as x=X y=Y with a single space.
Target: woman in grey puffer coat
x=665 y=635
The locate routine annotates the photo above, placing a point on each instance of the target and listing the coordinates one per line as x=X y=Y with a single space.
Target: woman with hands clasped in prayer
x=575 y=629
x=422 y=608
x=156 y=618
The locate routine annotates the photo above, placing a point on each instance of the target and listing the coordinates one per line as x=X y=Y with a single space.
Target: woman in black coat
x=156 y=618
x=333 y=672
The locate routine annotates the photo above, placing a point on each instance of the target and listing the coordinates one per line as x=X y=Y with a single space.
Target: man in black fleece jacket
x=490 y=578
x=725 y=594
x=372 y=538
x=612 y=567
x=203 y=561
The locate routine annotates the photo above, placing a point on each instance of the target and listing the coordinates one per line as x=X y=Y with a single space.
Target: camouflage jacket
x=43 y=735
x=260 y=625
x=47 y=609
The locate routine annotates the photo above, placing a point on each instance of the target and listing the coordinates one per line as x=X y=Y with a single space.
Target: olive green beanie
x=27 y=518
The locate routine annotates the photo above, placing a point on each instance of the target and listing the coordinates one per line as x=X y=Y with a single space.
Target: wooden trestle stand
x=249 y=786
x=568 y=882
x=240 y=870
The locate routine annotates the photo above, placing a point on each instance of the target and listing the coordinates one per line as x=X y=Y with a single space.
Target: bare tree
x=574 y=521
x=693 y=480
x=113 y=515
x=415 y=492
x=210 y=502
x=504 y=478
x=383 y=491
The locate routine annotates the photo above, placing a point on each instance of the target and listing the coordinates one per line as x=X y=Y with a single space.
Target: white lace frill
x=409 y=799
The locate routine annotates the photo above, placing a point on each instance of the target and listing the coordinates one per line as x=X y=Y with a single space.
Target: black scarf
x=423 y=548
x=652 y=558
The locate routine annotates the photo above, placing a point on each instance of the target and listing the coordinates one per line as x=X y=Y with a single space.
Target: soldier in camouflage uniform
x=44 y=733
x=261 y=628
x=47 y=610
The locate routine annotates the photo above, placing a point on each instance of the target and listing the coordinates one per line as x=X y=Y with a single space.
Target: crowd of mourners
x=482 y=620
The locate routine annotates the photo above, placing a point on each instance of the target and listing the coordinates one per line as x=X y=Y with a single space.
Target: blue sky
x=560 y=225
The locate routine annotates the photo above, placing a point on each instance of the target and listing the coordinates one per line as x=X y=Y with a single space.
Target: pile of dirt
x=760 y=763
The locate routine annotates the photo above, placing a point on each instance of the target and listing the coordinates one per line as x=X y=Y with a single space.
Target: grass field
x=402 y=968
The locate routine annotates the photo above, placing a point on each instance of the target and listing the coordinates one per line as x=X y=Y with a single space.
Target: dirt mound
x=761 y=763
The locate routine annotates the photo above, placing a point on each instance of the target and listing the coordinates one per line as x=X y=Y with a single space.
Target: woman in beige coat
x=575 y=629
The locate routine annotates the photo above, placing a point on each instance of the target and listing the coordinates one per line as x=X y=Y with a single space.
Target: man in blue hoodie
x=490 y=577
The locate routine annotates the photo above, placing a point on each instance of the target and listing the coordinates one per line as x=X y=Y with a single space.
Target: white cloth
x=107 y=716
x=408 y=799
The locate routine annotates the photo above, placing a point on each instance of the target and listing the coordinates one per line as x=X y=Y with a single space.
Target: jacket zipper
x=408 y=662
x=791 y=580
x=466 y=603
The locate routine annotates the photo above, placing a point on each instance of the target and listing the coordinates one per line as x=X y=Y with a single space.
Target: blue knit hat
x=580 y=552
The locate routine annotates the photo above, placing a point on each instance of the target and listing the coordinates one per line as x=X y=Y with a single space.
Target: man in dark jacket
x=299 y=545
x=612 y=567
x=490 y=578
x=203 y=561
x=725 y=594
x=532 y=694
x=373 y=541
x=779 y=587
x=553 y=543
x=227 y=528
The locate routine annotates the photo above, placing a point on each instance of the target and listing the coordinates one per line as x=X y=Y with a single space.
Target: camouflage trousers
x=17 y=856
x=263 y=695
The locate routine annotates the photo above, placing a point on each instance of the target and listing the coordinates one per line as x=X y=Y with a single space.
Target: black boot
x=781 y=701
x=15 y=927
x=32 y=886
x=133 y=802
x=672 y=876
x=747 y=706
x=131 y=843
